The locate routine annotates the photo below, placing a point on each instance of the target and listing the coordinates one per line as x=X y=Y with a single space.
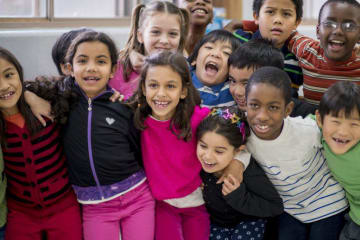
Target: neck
x=196 y=33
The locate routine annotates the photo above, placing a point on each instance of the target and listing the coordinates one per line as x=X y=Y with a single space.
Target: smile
x=262 y=128
x=341 y=141
x=161 y=104
x=211 y=68
x=91 y=78
x=208 y=164
x=7 y=95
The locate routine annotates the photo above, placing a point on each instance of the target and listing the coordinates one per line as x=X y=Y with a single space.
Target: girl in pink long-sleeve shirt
x=168 y=114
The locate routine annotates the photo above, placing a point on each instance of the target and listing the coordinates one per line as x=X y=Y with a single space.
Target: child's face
x=163 y=90
x=92 y=67
x=201 y=11
x=211 y=62
x=266 y=110
x=161 y=31
x=339 y=43
x=340 y=133
x=276 y=20
x=214 y=152
x=10 y=88
x=238 y=78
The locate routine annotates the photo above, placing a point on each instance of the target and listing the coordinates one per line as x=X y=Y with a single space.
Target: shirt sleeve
x=244 y=157
x=256 y=195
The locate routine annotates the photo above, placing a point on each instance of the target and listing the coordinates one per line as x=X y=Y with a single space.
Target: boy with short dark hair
x=247 y=59
x=276 y=20
x=339 y=119
x=334 y=58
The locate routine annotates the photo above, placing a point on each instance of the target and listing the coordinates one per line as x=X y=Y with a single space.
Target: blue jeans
x=2 y=233
x=324 y=229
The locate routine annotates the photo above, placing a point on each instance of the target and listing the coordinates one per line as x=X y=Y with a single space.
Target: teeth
x=92 y=78
x=338 y=140
x=161 y=103
x=262 y=127
x=337 y=42
x=6 y=95
x=208 y=163
x=200 y=11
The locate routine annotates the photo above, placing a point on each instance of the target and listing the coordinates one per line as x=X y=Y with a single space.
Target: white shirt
x=295 y=164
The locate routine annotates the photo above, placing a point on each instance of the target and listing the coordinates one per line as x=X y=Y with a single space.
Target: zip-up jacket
x=102 y=146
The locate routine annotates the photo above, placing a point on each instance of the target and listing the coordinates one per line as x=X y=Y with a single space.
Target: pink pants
x=131 y=213
x=62 y=225
x=181 y=223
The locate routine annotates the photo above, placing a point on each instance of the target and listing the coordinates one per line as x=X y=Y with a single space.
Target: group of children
x=203 y=147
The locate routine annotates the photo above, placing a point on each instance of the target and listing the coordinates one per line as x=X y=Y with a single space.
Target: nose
x=343 y=130
x=240 y=91
x=278 y=19
x=164 y=38
x=91 y=66
x=200 y=2
x=161 y=92
x=338 y=30
x=3 y=85
x=215 y=52
x=262 y=115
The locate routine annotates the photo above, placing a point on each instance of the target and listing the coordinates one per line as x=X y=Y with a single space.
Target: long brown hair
x=180 y=124
x=140 y=13
x=31 y=122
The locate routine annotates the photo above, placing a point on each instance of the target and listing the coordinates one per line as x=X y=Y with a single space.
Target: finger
x=41 y=119
x=221 y=179
x=232 y=179
x=121 y=98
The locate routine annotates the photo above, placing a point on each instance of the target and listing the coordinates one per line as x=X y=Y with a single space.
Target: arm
x=256 y=195
x=40 y=107
x=297 y=43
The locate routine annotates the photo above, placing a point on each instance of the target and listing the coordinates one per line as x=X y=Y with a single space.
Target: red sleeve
x=250 y=26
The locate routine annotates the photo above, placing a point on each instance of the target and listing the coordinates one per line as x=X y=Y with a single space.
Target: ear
x=140 y=36
x=64 y=69
x=289 y=108
x=317 y=31
x=69 y=68
x=318 y=119
x=256 y=18
x=298 y=22
x=193 y=64
x=184 y=93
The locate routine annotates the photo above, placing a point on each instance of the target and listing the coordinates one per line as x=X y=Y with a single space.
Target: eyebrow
x=283 y=9
x=9 y=69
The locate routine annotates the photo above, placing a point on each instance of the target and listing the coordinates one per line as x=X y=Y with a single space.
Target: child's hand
x=40 y=107
x=235 y=168
x=137 y=60
x=233 y=25
x=116 y=96
x=230 y=184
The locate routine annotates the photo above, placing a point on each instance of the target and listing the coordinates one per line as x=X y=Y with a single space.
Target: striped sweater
x=295 y=164
x=36 y=169
x=320 y=72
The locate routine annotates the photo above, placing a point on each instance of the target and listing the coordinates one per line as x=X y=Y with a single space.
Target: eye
x=349 y=26
x=171 y=86
x=253 y=105
x=232 y=81
x=207 y=1
x=174 y=34
x=273 y=108
x=355 y=124
x=203 y=146
x=269 y=11
x=102 y=62
x=81 y=60
x=153 y=85
x=154 y=32
x=227 y=53
x=219 y=152
x=335 y=122
x=208 y=47
x=287 y=14
x=9 y=75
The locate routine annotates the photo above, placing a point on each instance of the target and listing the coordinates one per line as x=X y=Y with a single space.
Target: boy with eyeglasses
x=334 y=58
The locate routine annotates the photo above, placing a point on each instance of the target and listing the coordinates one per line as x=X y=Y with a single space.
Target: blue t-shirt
x=215 y=96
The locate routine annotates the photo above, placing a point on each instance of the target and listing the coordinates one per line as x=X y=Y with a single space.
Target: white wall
x=33 y=47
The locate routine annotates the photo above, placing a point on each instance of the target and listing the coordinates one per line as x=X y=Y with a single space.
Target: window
x=22 y=8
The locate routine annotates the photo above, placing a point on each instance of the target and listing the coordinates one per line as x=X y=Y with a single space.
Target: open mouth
x=7 y=95
x=341 y=141
x=336 y=44
x=161 y=104
x=199 y=11
x=209 y=164
x=212 y=68
x=92 y=79
x=262 y=128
